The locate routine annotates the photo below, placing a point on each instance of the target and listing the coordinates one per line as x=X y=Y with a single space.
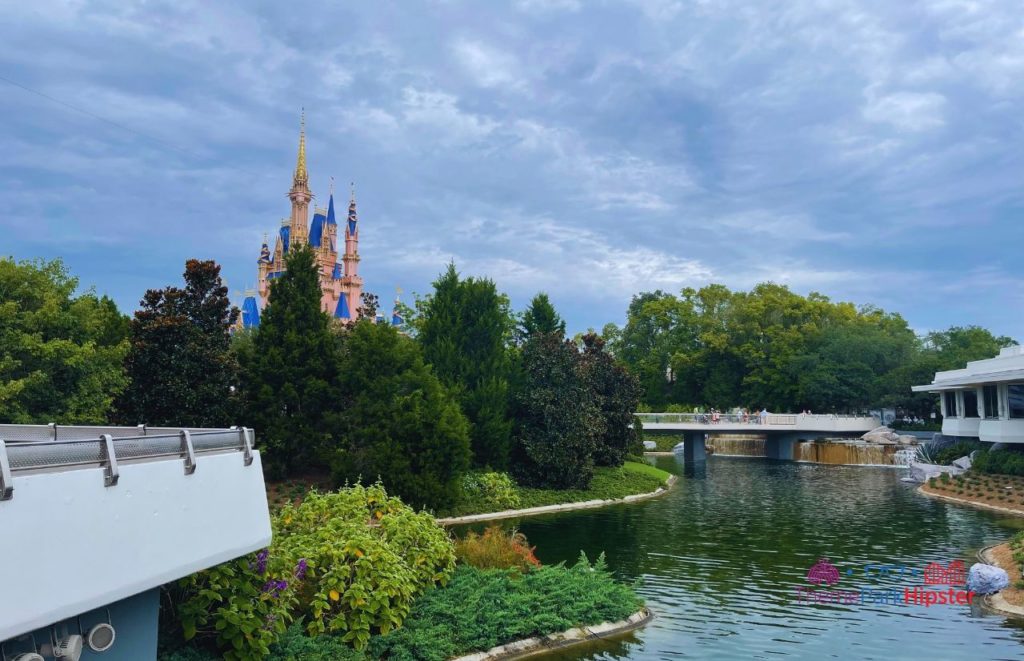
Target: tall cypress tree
x=289 y=382
x=179 y=362
x=540 y=317
x=399 y=423
x=465 y=336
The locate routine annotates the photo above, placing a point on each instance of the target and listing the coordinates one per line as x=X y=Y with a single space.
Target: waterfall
x=905 y=456
x=738 y=445
x=844 y=452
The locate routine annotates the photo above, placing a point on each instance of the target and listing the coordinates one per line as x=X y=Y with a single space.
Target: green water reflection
x=720 y=558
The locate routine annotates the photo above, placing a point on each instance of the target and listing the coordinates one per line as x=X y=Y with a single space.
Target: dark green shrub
x=953 y=452
x=999 y=463
x=555 y=417
x=616 y=393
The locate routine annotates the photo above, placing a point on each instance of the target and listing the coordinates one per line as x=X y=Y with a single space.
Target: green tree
x=616 y=394
x=540 y=317
x=556 y=420
x=465 y=335
x=290 y=373
x=958 y=345
x=181 y=369
x=61 y=355
x=399 y=422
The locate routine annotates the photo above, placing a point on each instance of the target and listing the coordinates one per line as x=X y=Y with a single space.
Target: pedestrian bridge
x=781 y=430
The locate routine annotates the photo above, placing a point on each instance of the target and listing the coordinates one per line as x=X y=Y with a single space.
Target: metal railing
x=36 y=448
x=720 y=418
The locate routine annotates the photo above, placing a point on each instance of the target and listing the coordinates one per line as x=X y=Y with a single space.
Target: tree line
x=466 y=385
x=771 y=347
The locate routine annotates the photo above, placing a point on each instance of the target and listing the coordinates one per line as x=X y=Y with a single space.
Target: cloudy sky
x=871 y=151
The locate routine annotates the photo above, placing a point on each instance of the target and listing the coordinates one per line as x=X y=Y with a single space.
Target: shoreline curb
x=529 y=646
x=562 y=507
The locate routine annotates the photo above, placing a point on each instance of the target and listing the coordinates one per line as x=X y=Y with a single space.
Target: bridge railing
x=720 y=418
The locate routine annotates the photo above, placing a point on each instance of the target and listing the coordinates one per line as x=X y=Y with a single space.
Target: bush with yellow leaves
x=368 y=555
x=348 y=562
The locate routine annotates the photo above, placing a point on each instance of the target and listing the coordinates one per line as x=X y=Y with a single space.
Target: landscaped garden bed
x=356 y=574
x=986 y=490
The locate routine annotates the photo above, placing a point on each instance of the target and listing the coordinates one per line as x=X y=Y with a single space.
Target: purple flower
x=261 y=561
x=300 y=569
x=275 y=587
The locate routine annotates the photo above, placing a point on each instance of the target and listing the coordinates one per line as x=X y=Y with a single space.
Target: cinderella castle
x=341 y=286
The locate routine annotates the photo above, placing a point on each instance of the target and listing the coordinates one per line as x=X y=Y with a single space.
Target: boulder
x=650 y=445
x=922 y=472
x=908 y=439
x=882 y=435
x=963 y=462
x=986 y=579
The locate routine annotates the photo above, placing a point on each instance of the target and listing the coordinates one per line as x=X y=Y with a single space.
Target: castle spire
x=301 y=176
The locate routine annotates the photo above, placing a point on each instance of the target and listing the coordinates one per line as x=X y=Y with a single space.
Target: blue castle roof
x=250 y=313
x=285 y=234
x=316 y=230
x=330 y=211
x=341 y=312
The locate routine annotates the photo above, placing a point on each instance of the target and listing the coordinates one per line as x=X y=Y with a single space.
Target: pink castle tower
x=351 y=282
x=339 y=280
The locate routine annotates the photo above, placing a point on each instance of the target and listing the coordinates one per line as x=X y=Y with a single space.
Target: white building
x=984 y=400
x=95 y=519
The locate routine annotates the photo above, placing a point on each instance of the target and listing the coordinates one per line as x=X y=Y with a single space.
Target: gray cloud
x=590 y=149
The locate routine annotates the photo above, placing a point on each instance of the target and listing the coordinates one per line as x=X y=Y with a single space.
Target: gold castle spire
x=301 y=176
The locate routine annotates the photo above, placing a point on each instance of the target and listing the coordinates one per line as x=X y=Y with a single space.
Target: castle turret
x=300 y=195
x=263 y=268
x=351 y=281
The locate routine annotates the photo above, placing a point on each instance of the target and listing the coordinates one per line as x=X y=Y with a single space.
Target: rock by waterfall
x=883 y=435
x=963 y=462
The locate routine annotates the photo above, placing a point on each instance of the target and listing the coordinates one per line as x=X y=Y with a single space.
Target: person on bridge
x=764 y=416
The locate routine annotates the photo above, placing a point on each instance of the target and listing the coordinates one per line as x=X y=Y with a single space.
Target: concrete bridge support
x=780 y=446
x=694 y=448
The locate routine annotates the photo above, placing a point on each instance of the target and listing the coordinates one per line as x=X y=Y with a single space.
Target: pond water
x=720 y=558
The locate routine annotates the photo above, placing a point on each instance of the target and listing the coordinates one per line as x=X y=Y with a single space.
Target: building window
x=1015 y=400
x=990 y=395
x=970 y=403
x=950 y=404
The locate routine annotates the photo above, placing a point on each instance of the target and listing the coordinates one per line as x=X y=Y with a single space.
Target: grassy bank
x=608 y=483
